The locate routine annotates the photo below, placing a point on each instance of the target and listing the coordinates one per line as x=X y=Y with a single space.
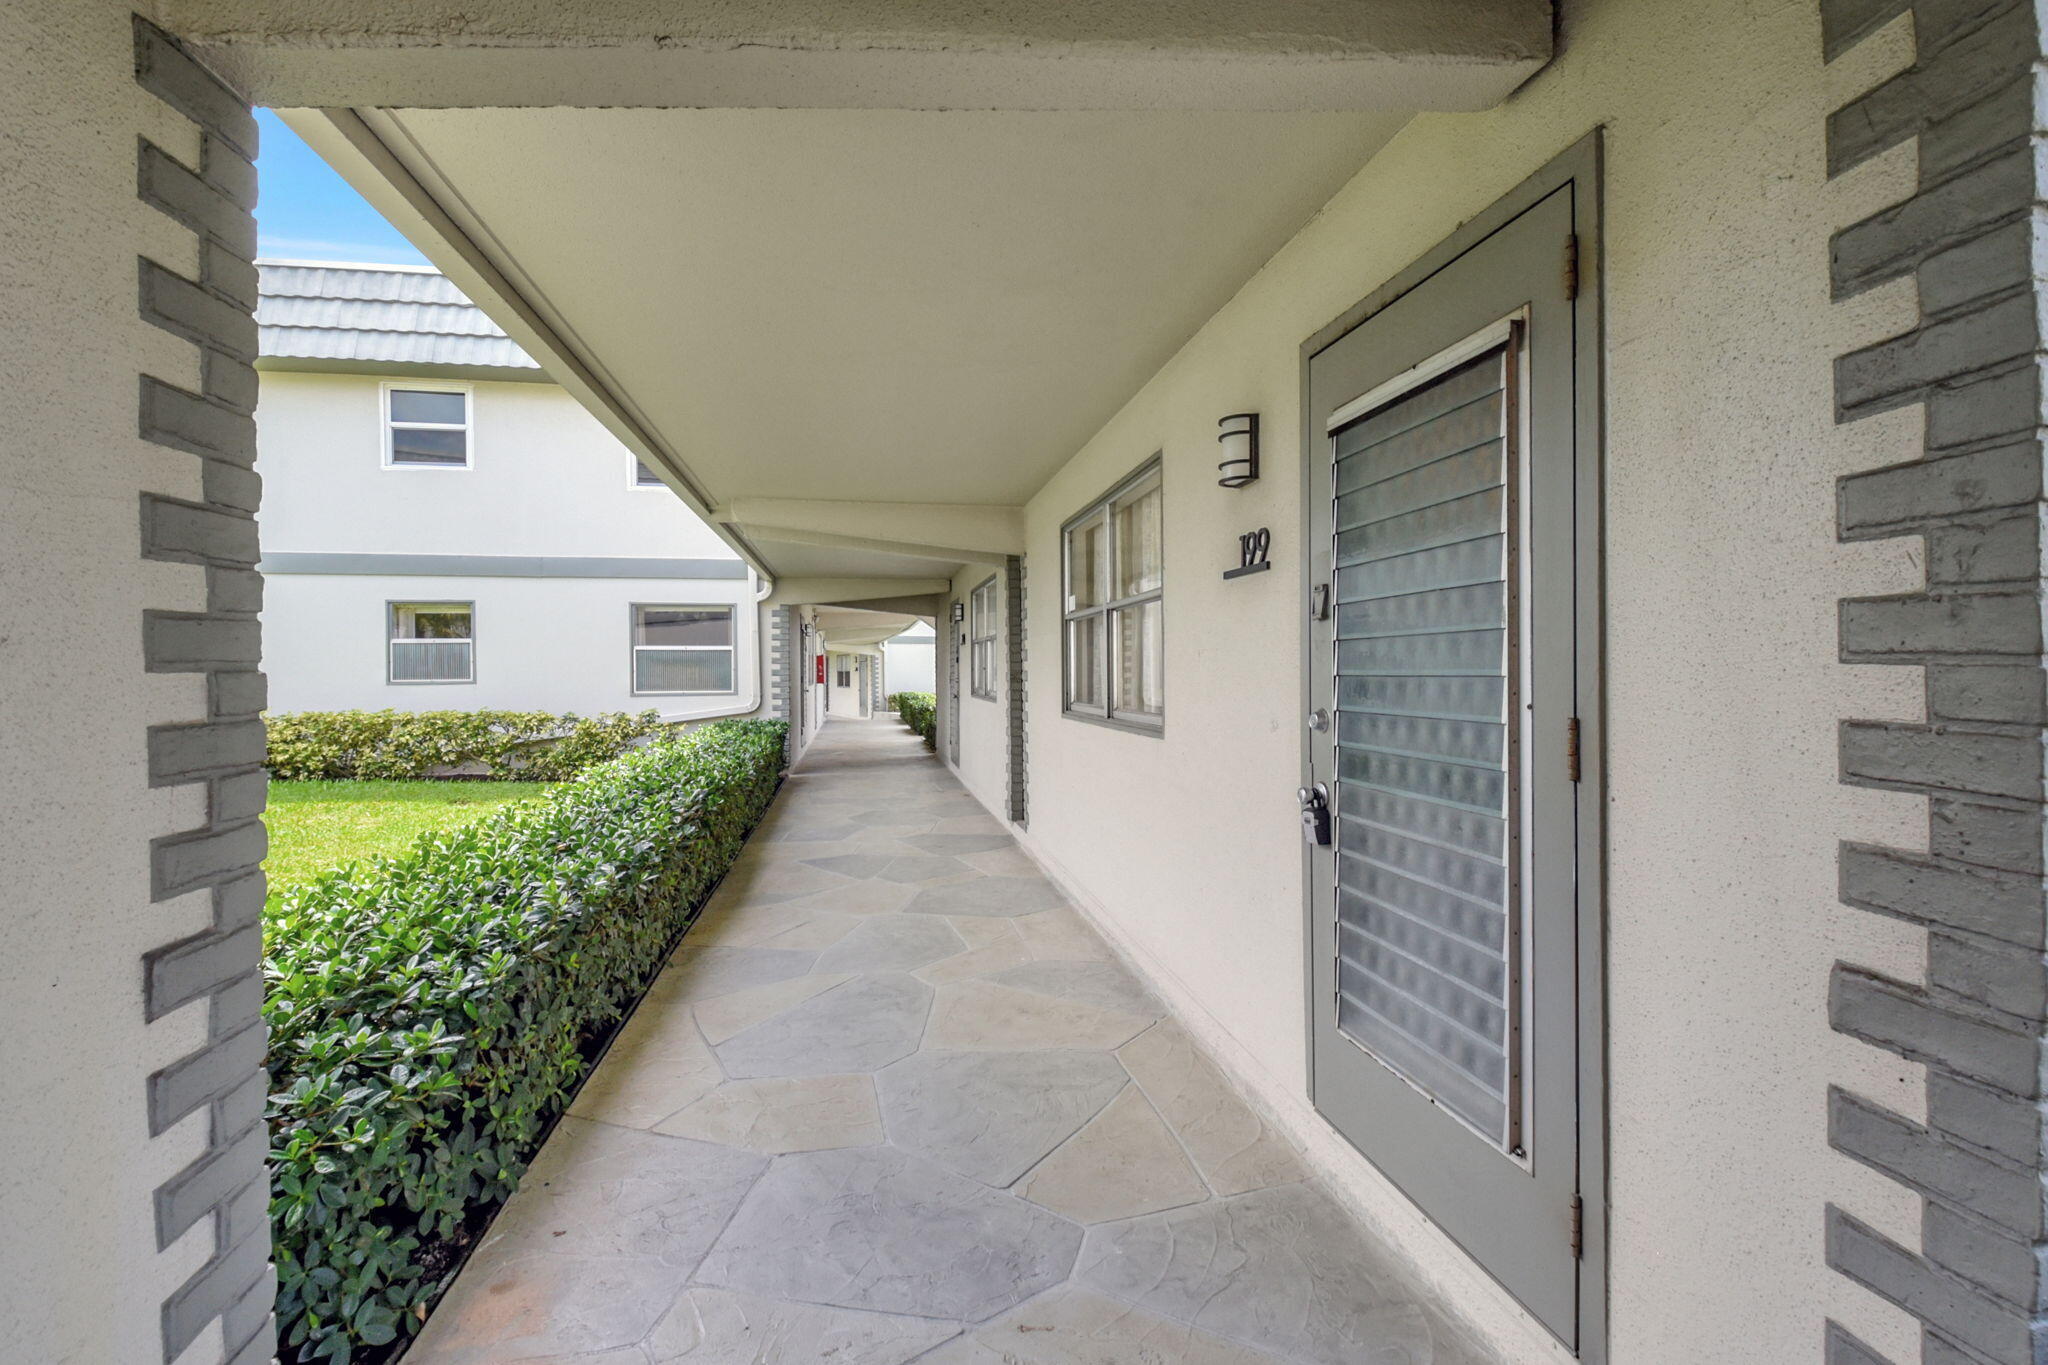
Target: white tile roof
x=392 y=314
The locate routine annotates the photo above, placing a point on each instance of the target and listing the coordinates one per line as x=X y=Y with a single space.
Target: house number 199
x=1252 y=548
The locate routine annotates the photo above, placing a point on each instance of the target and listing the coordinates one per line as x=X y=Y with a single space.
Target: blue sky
x=308 y=213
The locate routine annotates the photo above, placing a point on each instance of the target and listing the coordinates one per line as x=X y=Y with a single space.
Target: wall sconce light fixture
x=1240 y=442
x=959 y=612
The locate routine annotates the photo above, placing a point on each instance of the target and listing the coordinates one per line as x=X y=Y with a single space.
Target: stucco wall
x=984 y=759
x=1723 y=685
x=907 y=664
x=544 y=478
x=542 y=644
x=81 y=1279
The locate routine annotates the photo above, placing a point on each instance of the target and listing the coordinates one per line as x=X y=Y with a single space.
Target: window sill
x=1129 y=727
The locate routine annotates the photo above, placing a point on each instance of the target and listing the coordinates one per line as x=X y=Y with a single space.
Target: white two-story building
x=446 y=528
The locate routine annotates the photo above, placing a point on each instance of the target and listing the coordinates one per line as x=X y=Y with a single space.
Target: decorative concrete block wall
x=1971 y=238
x=221 y=751
x=1013 y=615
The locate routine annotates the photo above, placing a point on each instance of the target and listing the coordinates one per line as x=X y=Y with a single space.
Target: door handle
x=1319 y=720
x=1315 y=814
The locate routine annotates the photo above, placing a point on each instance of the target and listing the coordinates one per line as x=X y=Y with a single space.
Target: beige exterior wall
x=544 y=478
x=1722 y=684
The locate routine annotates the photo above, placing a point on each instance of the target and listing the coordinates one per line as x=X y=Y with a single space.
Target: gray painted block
x=233 y=591
x=211 y=1289
x=1885 y=502
x=1942 y=758
x=208 y=1183
x=1960 y=1309
x=1928 y=226
x=2001 y=404
x=1844 y=1349
x=1908 y=1022
x=1909 y=886
x=2007 y=979
x=239 y=901
x=194 y=533
x=230 y=486
x=241 y=692
x=1946 y=79
x=1992 y=836
x=1844 y=23
x=183 y=753
x=187 y=642
x=2006 y=694
x=1995 y=550
x=243 y=1105
x=1998 y=1122
x=164 y=183
x=2004 y=116
x=197 y=1080
x=1893 y=373
x=167 y=71
x=2007 y=257
x=189 y=310
x=185 y=862
x=228 y=170
x=1990 y=1258
x=1916 y=1156
x=239 y=796
x=180 y=974
x=174 y=417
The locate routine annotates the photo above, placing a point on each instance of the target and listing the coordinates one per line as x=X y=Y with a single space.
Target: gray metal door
x=1444 y=913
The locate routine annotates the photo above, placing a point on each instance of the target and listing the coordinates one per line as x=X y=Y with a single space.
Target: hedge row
x=531 y=745
x=920 y=711
x=430 y=1014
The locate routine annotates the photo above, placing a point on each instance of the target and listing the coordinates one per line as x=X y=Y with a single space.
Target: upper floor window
x=643 y=477
x=981 y=634
x=426 y=426
x=432 y=642
x=682 y=649
x=1114 y=584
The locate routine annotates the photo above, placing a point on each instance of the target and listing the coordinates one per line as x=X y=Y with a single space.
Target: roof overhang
x=859 y=277
x=1244 y=55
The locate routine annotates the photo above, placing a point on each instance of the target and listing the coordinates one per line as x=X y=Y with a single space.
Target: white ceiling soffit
x=793 y=307
x=1279 y=55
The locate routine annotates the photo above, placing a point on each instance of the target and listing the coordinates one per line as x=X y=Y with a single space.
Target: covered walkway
x=893 y=1100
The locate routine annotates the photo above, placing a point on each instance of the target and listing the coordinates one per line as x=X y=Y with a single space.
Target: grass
x=318 y=825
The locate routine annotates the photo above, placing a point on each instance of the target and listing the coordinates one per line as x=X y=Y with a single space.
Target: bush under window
x=535 y=746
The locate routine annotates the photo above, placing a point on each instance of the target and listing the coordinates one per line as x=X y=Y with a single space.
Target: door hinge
x=1571 y=267
x=1578 y=1228
x=1571 y=748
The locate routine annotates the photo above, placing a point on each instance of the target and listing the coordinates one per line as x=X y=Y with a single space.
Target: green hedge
x=529 y=745
x=430 y=1014
x=920 y=711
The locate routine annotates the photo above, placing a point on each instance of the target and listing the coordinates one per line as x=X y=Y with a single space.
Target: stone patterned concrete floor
x=894 y=1101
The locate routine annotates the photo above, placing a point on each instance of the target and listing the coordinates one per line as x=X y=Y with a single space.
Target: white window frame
x=731 y=648
x=982 y=631
x=634 y=464
x=1103 y=508
x=467 y=427
x=392 y=640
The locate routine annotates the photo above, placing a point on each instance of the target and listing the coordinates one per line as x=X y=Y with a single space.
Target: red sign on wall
x=821 y=668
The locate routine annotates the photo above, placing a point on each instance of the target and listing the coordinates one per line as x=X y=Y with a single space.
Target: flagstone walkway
x=894 y=1101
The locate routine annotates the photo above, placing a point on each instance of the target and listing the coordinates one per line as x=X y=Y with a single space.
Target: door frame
x=1580 y=167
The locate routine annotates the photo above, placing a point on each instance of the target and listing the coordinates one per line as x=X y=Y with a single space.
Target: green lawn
x=318 y=825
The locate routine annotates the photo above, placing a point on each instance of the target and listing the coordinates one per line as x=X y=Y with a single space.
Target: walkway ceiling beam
x=1273 y=55
x=870 y=593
